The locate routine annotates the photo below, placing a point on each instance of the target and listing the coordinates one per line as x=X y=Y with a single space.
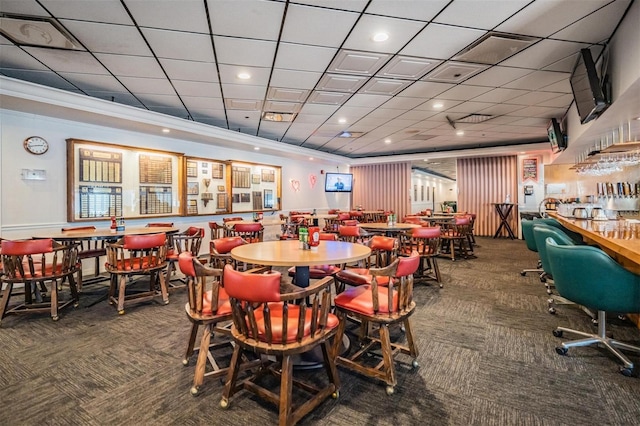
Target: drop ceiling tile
x=497 y=76
x=330 y=98
x=108 y=38
x=154 y=86
x=108 y=11
x=415 y=116
x=47 y=78
x=243 y=104
x=450 y=41
x=454 y=72
x=217 y=122
x=131 y=66
x=243 y=91
x=352 y=114
x=311 y=119
x=562 y=86
x=432 y=105
x=153 y=100
x=502 y=109
x=319 y=109
x=463 y=92
x=190 y=70
x=358 y=63
x=197 y=88
x=367 y=100
x=341 y=83
x=67 y=60
x=470 y=107
x=308 y=25
x=380 y=86
x=199 y=106
x=179 y=45
x=403 y=103
x=174 y=111
x=246 y=19
x=287 y=95
x=562 y=101
x=23 y=8
x=543 y=53
x=543 y=18
x=352 y=5
x=533 y=98
x=406 y=67
x=425 y=89
x=400 y=32
x=238 y=51
x=124 y=98
x=190 y=16
x=282 y=107
x=479 y=14
x=596 y=27
x=93 y=82
x=500 y=95
x=304 y=58
x=563 y=65
x=229 y=74
x=295 y=79
x=13 y=57
x=537 y=80
x=410 y=9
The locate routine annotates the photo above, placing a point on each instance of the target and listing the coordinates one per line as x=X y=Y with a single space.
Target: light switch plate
x=34 y=174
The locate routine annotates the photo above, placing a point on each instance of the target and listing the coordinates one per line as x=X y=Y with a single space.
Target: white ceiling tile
x=243 y=104
x=282 y=107
x=543 y=53
x=596 y=27
x=287 y=95
x=352 y=114
x=92 y=82
x=319 y=109
x=304 y=58
x=131 y=66
x=479 y=14
x=502 y=109
x=559 y=101
x=404 y=103
x=497 y=76
x=239 y=51
x=197 y=88
x=176 y=111
x=160 y=100
x=246 y=19
x=537 y=80
x=450 y=41
x=179 y=45
x=380 y=86
x=123 y=97
x=352 y=5
x=544 y=17
x=229 y=74
x=562 y=86
x=67 y=60
x=469 y=107
x=199 y=106
x=430 y=105
x=385 y=113
x=359 y=63
x=243 y=91
x=154 y=86
x=367 y=100
x=463 y=92
x=407 y=67
x=108 y=11
x=108 y=38
x=454 y=72
x=188 y=16
x=190 y=70
x=400 y=31
x=295 y=79
x=41 y=77
x=500 y=95
x=410 y=9
x=425 y=89
x=341 y=83
x=22 y=7
x=13 y=57
x=311 y=119
x=330 y=98
x=533 y=98
x=308 y=25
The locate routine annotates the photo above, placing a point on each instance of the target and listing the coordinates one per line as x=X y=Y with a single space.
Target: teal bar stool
x=575 y=237
x=591 y=278
x=527 y=233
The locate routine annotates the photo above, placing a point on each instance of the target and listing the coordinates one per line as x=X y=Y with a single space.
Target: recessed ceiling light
x=387 y=141
x=460 y=132
x=380 y=37
x=256 y=148
x=310 y=158
x=342 y=120
x=244 y=76
x=438 y=105
x=165 y=130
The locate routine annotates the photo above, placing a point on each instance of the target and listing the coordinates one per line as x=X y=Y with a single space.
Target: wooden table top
x=289 y=253
x=106 y=233
x=386 y=227
x=619 y=238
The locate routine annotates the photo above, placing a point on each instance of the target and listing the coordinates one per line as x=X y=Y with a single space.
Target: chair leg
x=387 y=357
x=163 y=288
x=232 y=376
x=201 y=365
x=330 y=365
x=413 y=349
x=286 y=391
x=6 y=295
x=192 y=340
x=54 y=300
x=121 y=294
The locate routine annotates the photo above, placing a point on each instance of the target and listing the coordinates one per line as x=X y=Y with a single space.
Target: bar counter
x=620 y=239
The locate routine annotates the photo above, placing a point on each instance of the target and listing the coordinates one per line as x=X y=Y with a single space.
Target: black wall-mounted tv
x=338 y=182
x=556 y=138
x=586 y=87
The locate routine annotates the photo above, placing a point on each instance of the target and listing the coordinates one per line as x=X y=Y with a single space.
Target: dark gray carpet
x=486 y=357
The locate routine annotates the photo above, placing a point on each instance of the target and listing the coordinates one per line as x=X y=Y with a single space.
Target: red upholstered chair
x=318 y=272
x=425 y=241
x=33 y=264
x=136 y=255
x=351 y=234
x=88 y=249
x=344 y=216
x=190 y=240
x=384 y=250
x=208 y=306
x=250 y=232
x=380 y=307
x=356 y=215
x=268 y=322
x=455 y=238
x=216 y=230
x=333 y=211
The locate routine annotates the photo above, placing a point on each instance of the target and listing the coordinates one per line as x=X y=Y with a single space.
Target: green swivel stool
x=591 y=278
x=575 y=237
x=527 y=233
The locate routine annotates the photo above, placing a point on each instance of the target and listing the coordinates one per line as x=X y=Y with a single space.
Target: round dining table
x=106 y=233
x=389 y=230
x=289 y=253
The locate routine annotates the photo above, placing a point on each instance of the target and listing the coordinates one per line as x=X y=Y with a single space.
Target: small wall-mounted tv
x=586 y=87
x=338 y=182
x=556 y=138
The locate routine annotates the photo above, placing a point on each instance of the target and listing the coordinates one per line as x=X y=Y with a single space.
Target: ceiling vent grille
x=36 y=31
x=494 y=48
x=474 y=118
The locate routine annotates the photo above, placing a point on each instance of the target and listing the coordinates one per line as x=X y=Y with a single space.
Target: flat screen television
x=556 y=138
x=586 y=87
x=338 y=182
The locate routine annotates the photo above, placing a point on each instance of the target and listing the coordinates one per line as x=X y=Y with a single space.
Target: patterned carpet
x=486 y=357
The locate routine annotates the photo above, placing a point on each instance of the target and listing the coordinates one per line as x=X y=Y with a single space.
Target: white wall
x=30 y=207
x=439 y=190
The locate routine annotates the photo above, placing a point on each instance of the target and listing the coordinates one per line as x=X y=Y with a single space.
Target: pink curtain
x=382 y=186
x=483 y=181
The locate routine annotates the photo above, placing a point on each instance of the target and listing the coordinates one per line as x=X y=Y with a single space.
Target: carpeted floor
x=486 y=357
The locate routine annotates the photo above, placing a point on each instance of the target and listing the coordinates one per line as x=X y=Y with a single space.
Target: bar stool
x=591 y=278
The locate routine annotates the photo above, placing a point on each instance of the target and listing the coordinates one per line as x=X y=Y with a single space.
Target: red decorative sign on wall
x=530 y=169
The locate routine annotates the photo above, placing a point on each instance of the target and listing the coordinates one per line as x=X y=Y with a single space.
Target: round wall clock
x=36 y=145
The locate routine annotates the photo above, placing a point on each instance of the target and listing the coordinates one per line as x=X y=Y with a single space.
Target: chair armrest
x=314 y=288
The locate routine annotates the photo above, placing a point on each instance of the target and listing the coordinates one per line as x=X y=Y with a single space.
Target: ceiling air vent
x=36 y=31
x=471 y=119
x=494 y=48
